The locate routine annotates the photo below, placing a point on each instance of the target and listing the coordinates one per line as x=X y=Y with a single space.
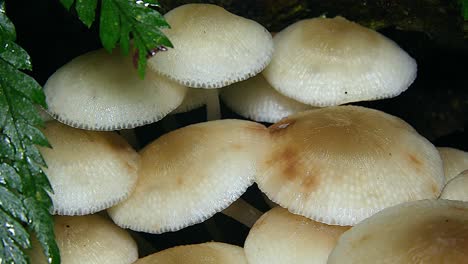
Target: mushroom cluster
x=338 y=172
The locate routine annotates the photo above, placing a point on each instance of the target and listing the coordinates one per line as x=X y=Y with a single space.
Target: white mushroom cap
x=206 y=253
x=189 y=174
x=102 y=91
x=255 y=99
x=339 y=165
x=455 y=161
x=89 y=239
x=212 y=47
x=89 y=171
x=456 y=188
x=193 y=99
x=427 y=231
x=325 y=62
x=280 y=237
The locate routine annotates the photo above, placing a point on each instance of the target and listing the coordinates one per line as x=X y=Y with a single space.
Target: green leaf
x=86 y=10
x=11 y=203
x=13 y=230
x=110 y=24
x=9 y=177
x=7 y=29
x=67 y=3
x=15 y=55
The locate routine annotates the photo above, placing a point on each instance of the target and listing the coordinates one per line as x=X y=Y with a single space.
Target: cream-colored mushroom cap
x=212 y=47
x=89 y=171
x=455 y=161
x=193 y=99
x=89 y=239
x=339 y=165
x=332 y=61
x=427 y=231
x=102 y=91
x=206 y=253
x=456 y=188
x=280 y=237
x=189 y=174
x=255 y=99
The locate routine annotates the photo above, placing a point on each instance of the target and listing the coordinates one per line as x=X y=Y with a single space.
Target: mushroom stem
x=243 y=212
x=131 y=137
x=213 y=110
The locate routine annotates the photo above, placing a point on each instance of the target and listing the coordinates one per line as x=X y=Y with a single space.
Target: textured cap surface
x=456 y=188
x=189 y=174
x=89 y=239
x=255 y=99
x=101 y=91
x=206 y=253
x=89 y=171
x=427 y=231
x=325 y=61
x=455 y=161
x=280 y=237
x=212 y=47
x=339 y=165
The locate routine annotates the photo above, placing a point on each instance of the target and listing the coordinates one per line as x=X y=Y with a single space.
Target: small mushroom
x=280 y=237
x=89 y=239
x=206 y=253
x=332 y=61
x=426 y=231
x=339 y=165
x=455 y=161
x=456 y=188
x=89 y=170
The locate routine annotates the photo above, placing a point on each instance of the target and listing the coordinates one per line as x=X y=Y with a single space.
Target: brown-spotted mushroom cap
x=102 y=91
x=89 y=170
x=332 y=61
x=280 y=237
x=455 y=161
x=339 y=165
x=255 y=99
x=206 y=253
x=189 y=174
x=456 y=188
x=212 y=47
x=89 y=239
x=426 y=231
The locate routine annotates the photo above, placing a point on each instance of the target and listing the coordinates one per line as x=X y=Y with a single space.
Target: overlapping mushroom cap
x=427 y=231
x=456 y=188
x=89 y=239
x=206 y=253
x=339 y=165
x=189 y=174
x=102 y=91
x=455 y=161
x=325 y=62
x=89 y=171
x=212 y=47
x=280 y=237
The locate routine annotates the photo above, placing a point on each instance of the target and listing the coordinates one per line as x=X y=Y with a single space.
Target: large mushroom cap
x=428 y=231
x=339 y=165
x=325 y=61
x=280 y=237
x=102 y=91
x=206 y=253
x=455 y=161
x=255 y=99
x=456 y=188
x=89 y=171
x=189 y=174
x=89 y=239
x=212 y=47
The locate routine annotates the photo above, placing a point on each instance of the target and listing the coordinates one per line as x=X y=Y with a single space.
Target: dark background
x=430 y=31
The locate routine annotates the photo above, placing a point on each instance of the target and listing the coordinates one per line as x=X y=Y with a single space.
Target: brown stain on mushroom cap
x=281 y=126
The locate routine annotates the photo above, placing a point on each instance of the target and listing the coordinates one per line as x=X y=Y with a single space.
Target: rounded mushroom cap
x=89 y=239
x=325 y=61
x=102 y=91
x=427 y=231
x=206 y=253
x=339 y=165
x=89 y=171
x=455 y=161
x=189 y=174
x=193 y=99
x=255 y=99
x=456 y=188
x=217 y=48
x=281 y=237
